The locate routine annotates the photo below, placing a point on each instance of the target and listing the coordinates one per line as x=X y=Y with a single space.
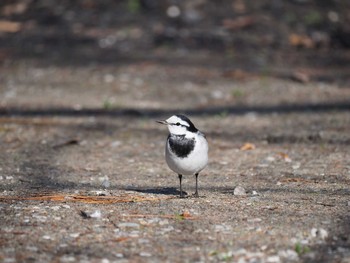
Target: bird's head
x=179 y=125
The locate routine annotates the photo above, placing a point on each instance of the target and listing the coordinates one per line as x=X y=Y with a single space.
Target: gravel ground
x=83 y=176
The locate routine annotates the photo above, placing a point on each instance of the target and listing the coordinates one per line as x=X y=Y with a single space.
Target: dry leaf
x=186 y=214
x=247 y=146
x=15 y=9
x=238 y=23
x=300 y=77
x=237 y=74
x=301 y=41
x=9 y=26
x=285 y=157
x=239 y=6
x=295 y=180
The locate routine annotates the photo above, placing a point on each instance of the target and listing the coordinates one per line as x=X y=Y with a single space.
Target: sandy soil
x=89 y=132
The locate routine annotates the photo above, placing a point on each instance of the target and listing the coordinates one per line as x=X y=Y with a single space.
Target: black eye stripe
x=178 y=124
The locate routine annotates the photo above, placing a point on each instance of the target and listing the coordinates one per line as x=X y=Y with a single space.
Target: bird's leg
x=180 y=179
x=196 y=193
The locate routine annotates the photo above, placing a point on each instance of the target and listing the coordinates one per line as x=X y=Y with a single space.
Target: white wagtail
x=186 y=150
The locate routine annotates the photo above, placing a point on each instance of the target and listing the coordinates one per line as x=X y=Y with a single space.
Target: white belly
x=191 y=164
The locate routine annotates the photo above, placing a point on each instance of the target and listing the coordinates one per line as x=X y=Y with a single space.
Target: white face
x=177 y=126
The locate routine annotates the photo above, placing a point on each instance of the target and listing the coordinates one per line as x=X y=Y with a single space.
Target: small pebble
x=168 y=229
x=145 y=254
x=66 y=258
x=101 y=193
x=108 y=78
x=270 y=158
x=289 y=254
x=164 y=222
x=143 y=241
x=128 y=225
x=273 y=259
x=239 y=190
x=106 y=183
x=320 y=233
x=55 y=208
x=254 y=220
x=296 y=166
x=96 y=214
x=115 y=144
x=32 y=248
x=264 y=247
x=74 y=235
x=134 y=234
x=225 y=255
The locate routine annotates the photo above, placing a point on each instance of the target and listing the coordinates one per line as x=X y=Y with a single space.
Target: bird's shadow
x=162 y=191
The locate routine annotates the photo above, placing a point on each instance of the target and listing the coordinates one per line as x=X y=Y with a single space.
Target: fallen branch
x=325 y=204
x=84 y=198
x=184 y=215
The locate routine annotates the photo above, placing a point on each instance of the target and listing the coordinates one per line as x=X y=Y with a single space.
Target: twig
x=84 y=198
x=181 y=216
x=324 y=204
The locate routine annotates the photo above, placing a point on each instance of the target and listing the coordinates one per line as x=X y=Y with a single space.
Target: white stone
x=270 y=158
x=273 y=259
x=74 y=235
x=254 y=220
x=239 y=190
x=115 y=144
x=96 y=214
x=319 y=233
x=55 y=208
x=66 y=258
x=289 y=254
x=145 y=254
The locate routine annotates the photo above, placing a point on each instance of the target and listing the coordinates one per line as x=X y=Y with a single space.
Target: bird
x=186 y=148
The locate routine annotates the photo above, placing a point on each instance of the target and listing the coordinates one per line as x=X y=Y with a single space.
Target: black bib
x=180 y=145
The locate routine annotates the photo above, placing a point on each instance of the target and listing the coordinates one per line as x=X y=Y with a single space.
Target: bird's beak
x=162 y=122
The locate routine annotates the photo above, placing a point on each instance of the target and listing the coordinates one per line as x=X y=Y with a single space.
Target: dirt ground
x=82 y=170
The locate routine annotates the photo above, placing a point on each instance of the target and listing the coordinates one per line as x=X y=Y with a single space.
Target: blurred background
x=129 y=47
x=251 y=35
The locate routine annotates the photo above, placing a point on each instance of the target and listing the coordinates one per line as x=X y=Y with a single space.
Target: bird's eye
x=178 y=124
